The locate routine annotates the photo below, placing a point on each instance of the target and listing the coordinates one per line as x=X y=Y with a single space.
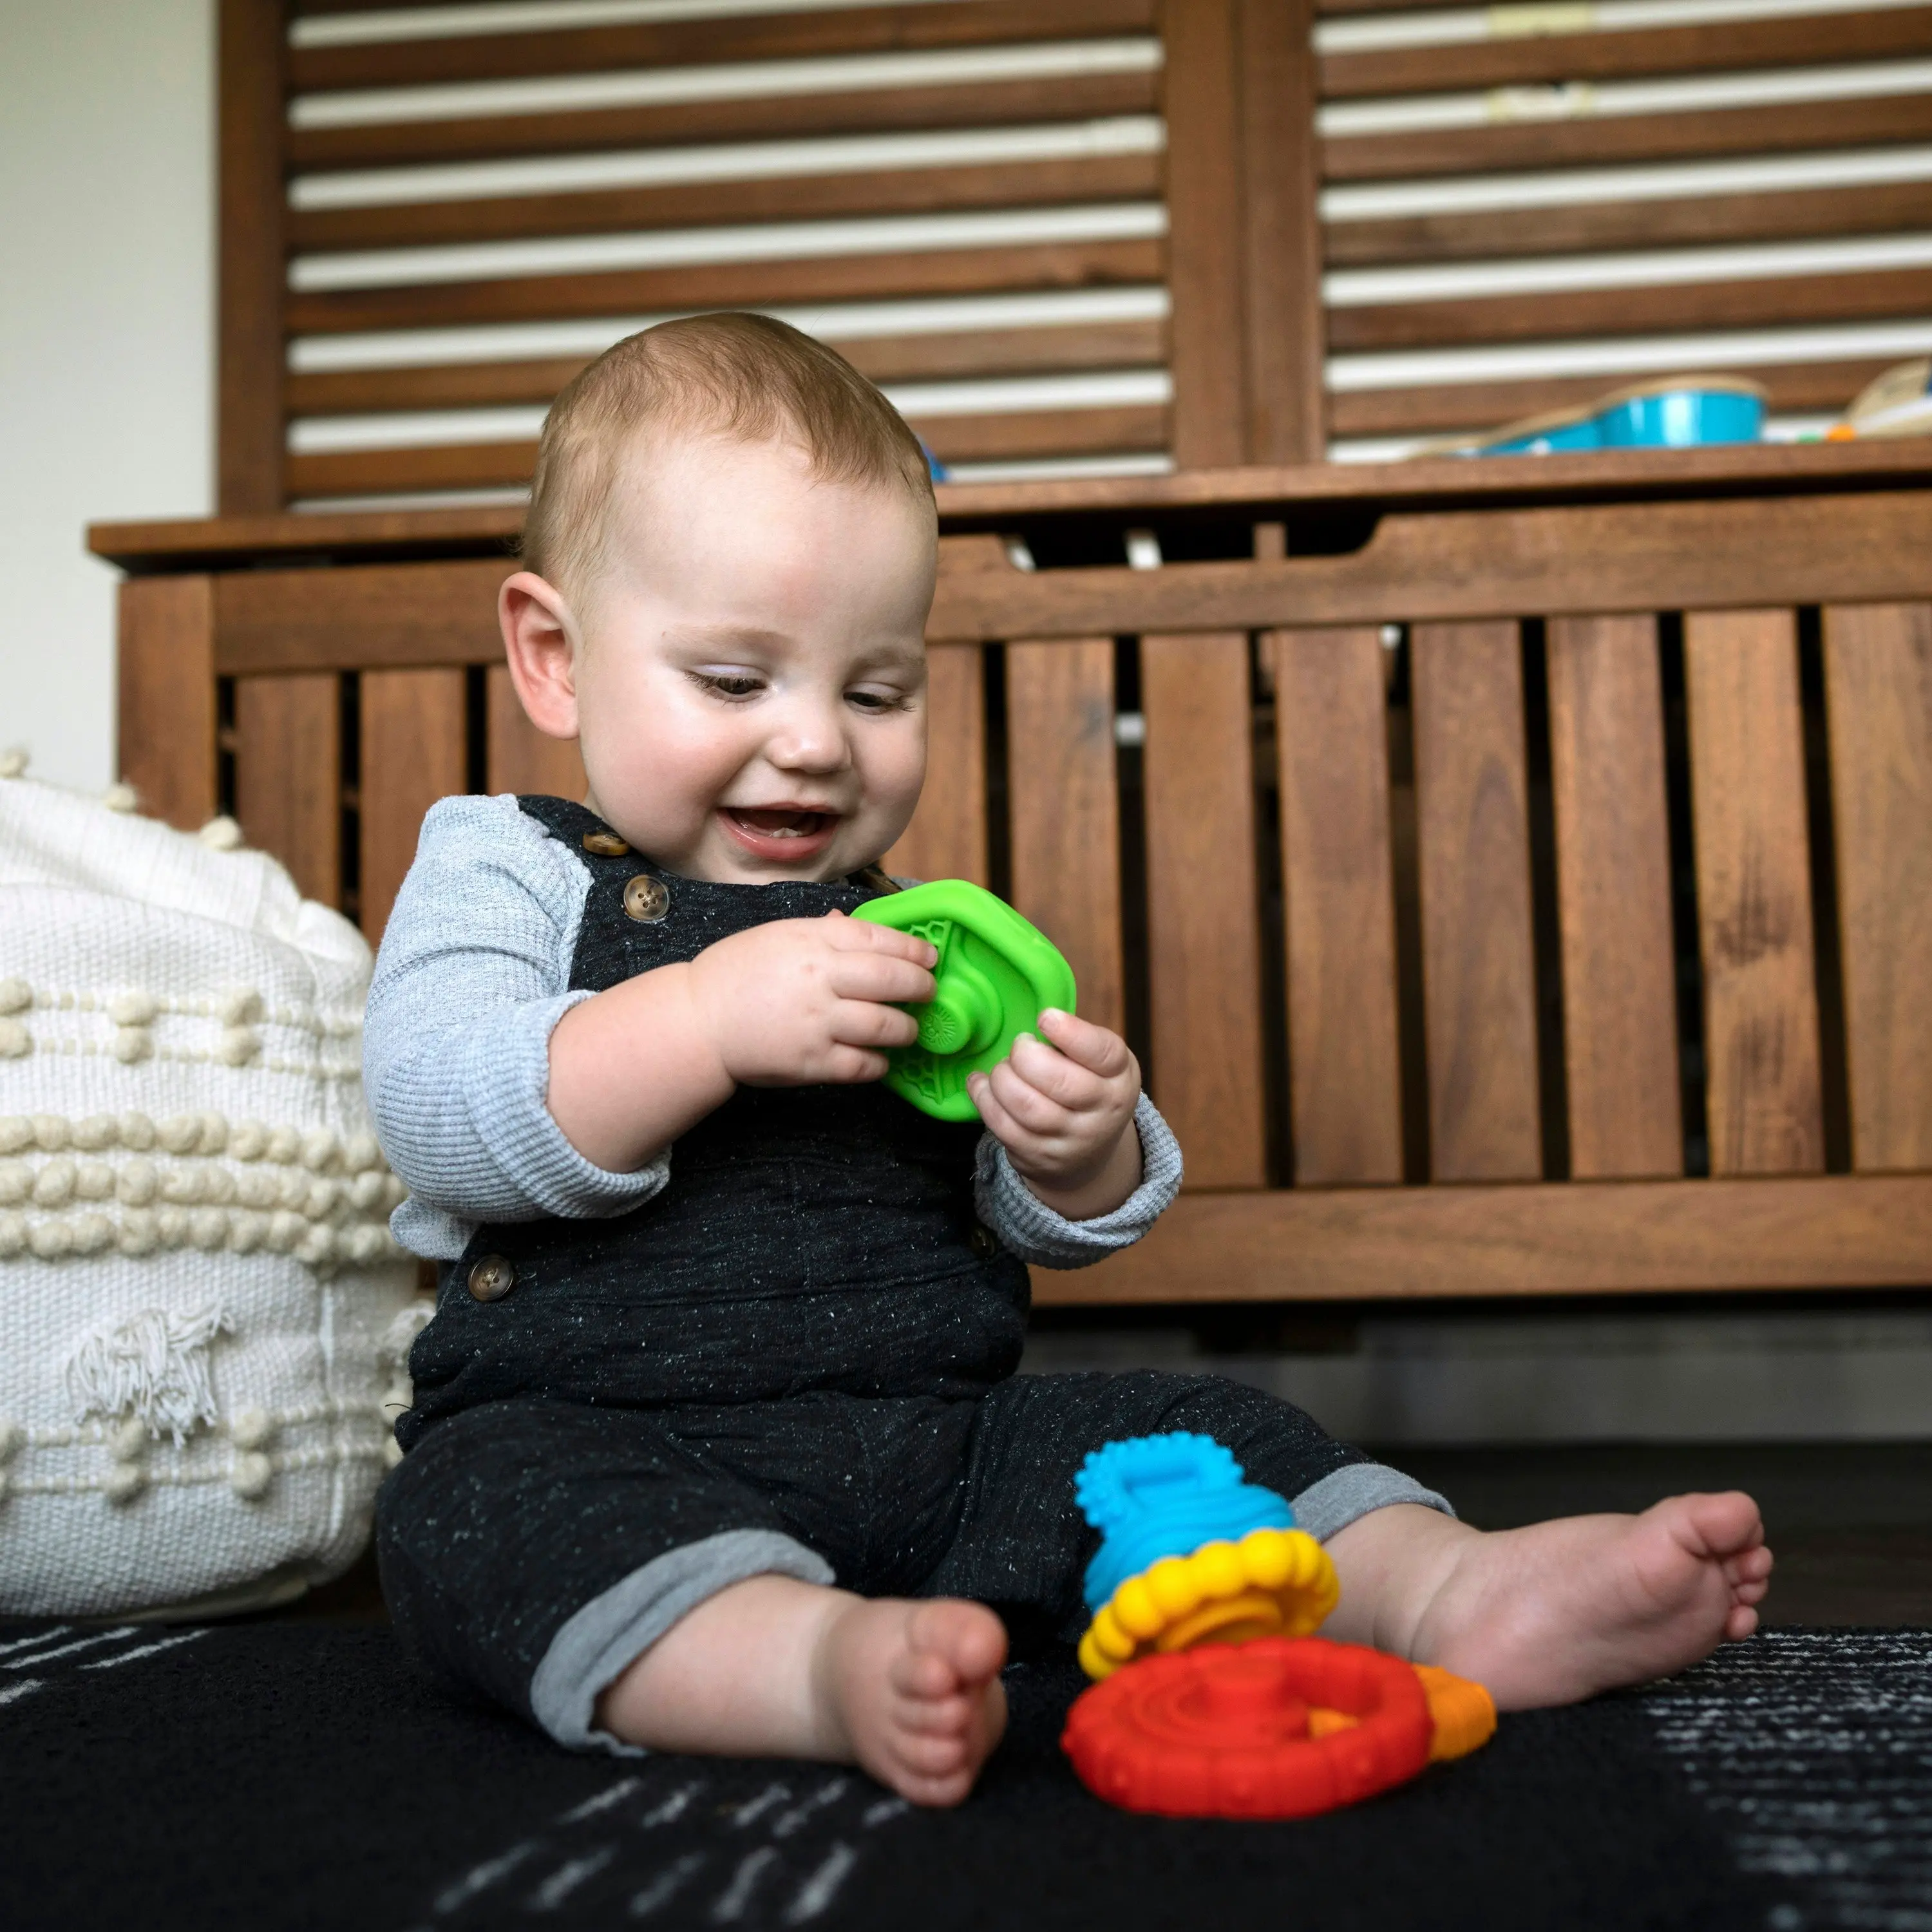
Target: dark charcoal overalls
x=806 y=1333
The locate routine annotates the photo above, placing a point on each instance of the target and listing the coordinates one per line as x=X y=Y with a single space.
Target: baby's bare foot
x=914 y=1690
x=1561 y=1610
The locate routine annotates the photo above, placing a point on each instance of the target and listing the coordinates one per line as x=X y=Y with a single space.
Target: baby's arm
x=795 y=1003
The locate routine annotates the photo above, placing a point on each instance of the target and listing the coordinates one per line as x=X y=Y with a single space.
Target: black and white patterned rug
x=271 y=1775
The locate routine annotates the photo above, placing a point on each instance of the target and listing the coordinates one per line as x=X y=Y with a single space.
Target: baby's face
x=751 y=678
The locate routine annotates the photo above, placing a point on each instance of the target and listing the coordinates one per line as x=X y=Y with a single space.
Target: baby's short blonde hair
x=744 y=376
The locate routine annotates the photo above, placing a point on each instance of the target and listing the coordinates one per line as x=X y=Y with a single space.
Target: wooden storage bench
x=1517 y=875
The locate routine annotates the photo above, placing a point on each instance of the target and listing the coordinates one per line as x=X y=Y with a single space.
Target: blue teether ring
x=1152 y=1496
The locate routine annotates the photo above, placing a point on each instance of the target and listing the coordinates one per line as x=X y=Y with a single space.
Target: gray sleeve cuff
x=1030 y=1229
x=613 y=1630
x=1352 y=1492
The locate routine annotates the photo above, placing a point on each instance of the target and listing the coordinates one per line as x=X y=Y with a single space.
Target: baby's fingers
x=866 y=1023
x=862 y=936
x=1039 y=1114
x=1096 y=1047
x=863 y=976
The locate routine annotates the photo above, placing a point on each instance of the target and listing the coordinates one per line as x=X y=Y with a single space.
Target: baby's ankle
x=1395 y=1566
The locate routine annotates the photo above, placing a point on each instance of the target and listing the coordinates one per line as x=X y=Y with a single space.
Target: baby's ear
x=538 y=630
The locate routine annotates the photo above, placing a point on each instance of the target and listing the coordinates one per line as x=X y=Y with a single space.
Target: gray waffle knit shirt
x=474 y=972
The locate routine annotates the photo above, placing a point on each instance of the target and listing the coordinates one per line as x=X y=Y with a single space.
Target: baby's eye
x=866 y=699
x=729 y=683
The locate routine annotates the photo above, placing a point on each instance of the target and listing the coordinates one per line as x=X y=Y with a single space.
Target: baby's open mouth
x=781 y=835
x=781 y=822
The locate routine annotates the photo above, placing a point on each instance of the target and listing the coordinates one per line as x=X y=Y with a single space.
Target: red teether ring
x=1223 y=1732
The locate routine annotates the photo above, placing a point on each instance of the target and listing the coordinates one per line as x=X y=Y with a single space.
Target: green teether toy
x=996 y=971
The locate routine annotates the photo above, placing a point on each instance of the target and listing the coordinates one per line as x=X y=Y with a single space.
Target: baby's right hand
x=802 y=1000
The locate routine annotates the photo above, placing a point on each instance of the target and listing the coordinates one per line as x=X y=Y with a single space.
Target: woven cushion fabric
x=202 y=1309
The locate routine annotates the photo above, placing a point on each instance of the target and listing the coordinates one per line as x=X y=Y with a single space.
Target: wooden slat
x=1203 y=925
x=413 y=745
x=1613 y=898
x=1570 y=1237
x=1344 y=1067
x=955 y=438
x=1588 y=227
x=1878 y=671
x=947 y=837
x=1204 y=232
x=1281 y=232
x=1593 y=139
x=1063 y=807
x=359 y=615
x=1754 y=892
x=1053 y=265
x=251 y=115
x=288 y=775
x=1565 y=560
x=980 y=103
x=925 y=190
x=888 y=358
x=1431 y=408
x=1728 y=47
x=166 y=703
x=1479 y=975
x=737 y=36
x=1761 y=301
x=517 y=757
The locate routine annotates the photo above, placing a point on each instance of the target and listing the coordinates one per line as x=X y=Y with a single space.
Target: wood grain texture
x=413 y=743
x=1281 y=239
x=250 y=211
x=1429 y=408
x=1753 y=893
x=1022 y=266
x=517 y=756
x=1765 y=301
x=1581 y=560
x=1479 y=976
x=1590 y=227
x=763 y=117
x=1568 y=1237
x=1878 y=682
x=1728 y=47
x=1593 y=140
x=1613 y=898
x=885 y=359
x=166 y=703
x=360 y=616
x=1344 y=1065
x=1204 y=923
x=689 y=43
x=947 y=837
x=288 y=775
x=1063 y=807
x=1205 y=231
x=1089 y=178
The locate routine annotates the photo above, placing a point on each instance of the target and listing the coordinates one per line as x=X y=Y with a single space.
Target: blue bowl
x=1681 y=419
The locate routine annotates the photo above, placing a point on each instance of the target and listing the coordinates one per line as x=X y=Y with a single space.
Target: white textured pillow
x=202 y=1314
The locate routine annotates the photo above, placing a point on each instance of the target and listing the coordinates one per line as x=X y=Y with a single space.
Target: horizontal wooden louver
x=436 y=303
x=1523 y=211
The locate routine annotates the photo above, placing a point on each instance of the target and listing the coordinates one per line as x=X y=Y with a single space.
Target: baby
x=717 y=1444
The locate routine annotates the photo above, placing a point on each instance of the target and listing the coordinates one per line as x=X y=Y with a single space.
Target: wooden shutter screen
x=1526 y=206
x=1027 y=219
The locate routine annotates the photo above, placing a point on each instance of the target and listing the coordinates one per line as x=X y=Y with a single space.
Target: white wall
x=106 y=345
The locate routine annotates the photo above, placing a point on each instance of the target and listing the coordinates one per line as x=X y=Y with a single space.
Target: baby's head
x=730 y=555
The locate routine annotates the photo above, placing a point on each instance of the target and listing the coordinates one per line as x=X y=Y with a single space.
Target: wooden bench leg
x=165 y=727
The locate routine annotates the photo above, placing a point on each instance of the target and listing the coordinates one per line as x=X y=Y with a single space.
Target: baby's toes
x=1740 y=1622
x=1750 y=1566
x=935 y=1716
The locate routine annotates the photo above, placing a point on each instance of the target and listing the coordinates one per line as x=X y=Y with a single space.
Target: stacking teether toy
x=1261 y=1720
x=1190 y=1553
x=996 y=971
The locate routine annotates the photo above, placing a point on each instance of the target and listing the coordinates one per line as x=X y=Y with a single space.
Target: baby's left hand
x=1063 y=1108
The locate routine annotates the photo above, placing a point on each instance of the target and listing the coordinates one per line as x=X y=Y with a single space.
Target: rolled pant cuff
x=1338 y=1500
x=610 y=1632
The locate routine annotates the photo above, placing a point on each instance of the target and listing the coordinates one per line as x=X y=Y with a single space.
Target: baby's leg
x=774 y=1667
x=1560 y=1610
